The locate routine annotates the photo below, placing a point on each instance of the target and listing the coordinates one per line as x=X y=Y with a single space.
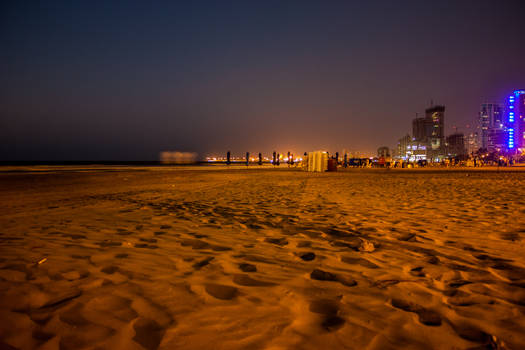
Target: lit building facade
x=491 y=126
x=416 y=151
x=436 y=116
x=456 y=145
x=515 y=121
x=410 y=150
x=428 y=134
x=383 y=152
x=496 y=139
x=422 y=129
x=471 y=142
x=402 y=147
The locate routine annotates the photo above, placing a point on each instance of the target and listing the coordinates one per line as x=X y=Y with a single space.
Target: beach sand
x=215 y=258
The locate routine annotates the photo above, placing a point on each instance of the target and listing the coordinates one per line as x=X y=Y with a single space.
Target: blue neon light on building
x=516 y=126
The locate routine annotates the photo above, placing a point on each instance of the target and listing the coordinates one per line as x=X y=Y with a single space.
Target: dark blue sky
x=91 y=80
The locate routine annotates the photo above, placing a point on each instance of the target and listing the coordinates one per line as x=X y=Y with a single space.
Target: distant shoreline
x=122 y=163
x=253 y=167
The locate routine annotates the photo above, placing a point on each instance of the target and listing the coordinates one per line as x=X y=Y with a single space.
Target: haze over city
x=108 y=81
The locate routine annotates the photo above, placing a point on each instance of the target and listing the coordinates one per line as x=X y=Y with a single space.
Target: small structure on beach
x=317 y=161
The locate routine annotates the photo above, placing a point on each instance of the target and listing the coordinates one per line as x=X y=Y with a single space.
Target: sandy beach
x=215 y=258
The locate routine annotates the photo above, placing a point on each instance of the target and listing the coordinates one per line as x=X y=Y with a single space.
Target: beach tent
x=317 y=161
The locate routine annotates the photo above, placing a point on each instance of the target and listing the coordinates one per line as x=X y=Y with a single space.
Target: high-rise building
x=436 y=116
x=456 y=145
x=421 y=129
x=383 y=152
x=472 y=142
x=428 y=132
x=472 y=139
x=496 y=139
x=410 y=149
x=402 y=147
x=491 y=125
x=516 y=121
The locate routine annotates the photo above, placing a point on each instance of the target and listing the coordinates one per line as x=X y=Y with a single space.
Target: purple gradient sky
x=106 y=81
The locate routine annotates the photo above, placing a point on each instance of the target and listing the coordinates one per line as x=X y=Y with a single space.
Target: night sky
x=101 y=80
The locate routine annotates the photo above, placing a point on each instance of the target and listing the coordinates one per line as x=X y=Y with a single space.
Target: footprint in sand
x=417 y=271
x=510 y=236
x=245 y=267
x=476 y=335
x=110 y=270
x=458 y=283
x=39 y=335
x=198 y=235
x=321 y=275
x=407 y=237
x=221 y=291
x=329 y=310
x=194 y=244
x=74 y=236
x=123 y=233
x=425 y=316
x=73 y=316
x=219 y=248
x=144 y=245
x=81 y=337
x=490 y=259
x=359 y=261
x=277 y=241
x=113 y=305
x=148 y=333
x=148 y=240
x=307 y=256
x=245 y=280
x=508 y=271
x=432 y=259
x=353 y=243
x=75 y=256
x=454 y=292
x=304 y=244
x=200 y=264
x=109 y=243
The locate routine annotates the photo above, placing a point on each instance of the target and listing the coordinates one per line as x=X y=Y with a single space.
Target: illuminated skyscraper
x=491 y=124
x=456 y=145
x=428 y=133
x=472 y=142
x=400 y=151
x=422 y=129
x=436 y=116
x=516 y=120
